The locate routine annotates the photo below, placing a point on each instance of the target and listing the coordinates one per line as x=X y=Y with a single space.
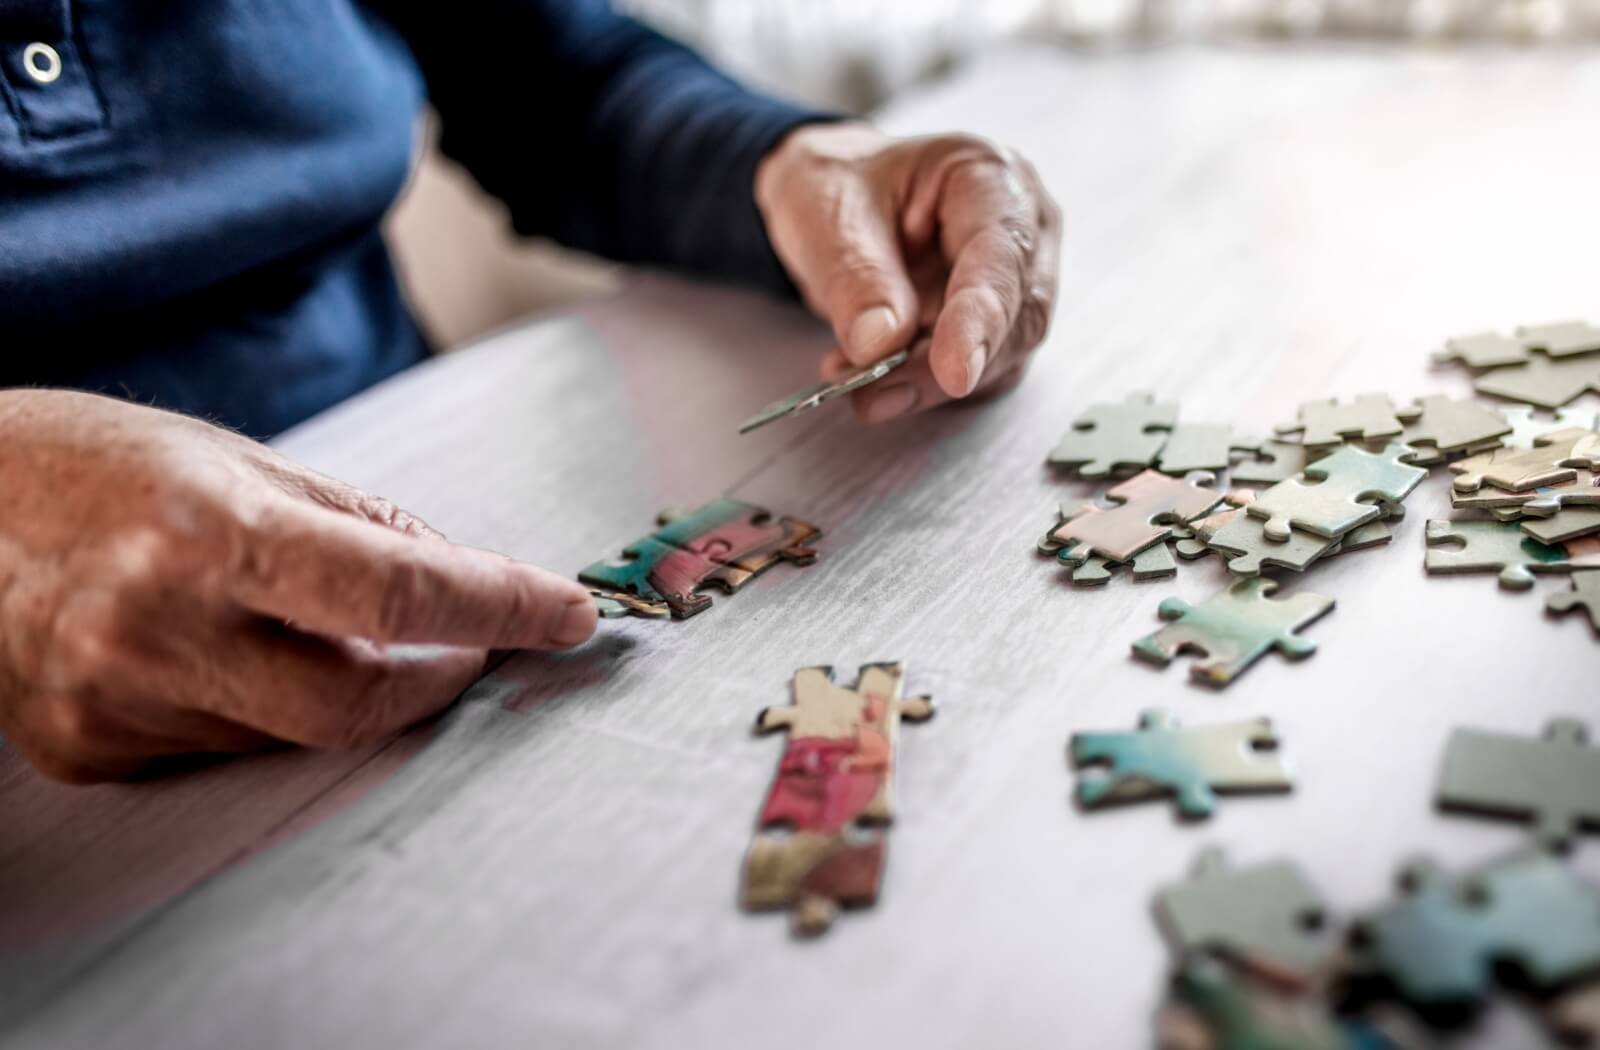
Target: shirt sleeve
x=602 y=133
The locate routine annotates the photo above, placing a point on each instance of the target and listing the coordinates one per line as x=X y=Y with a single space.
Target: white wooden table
x=554 y=863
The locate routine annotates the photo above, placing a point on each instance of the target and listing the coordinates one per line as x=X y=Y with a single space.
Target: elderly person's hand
x=168 y=587
x=886 y=237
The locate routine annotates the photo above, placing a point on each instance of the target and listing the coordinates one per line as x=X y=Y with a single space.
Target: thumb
x=853 y=271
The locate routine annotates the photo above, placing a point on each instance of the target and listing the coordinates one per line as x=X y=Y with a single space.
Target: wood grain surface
x=554 y=863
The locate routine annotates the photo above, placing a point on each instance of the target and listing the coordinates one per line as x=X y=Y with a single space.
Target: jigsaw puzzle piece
x=1202 y=529
x=1543 y=381
x=1525 y=426
x=1243 y=544
x=1369 y=417
x=1584 y=594
x=1574 y=1015
x=1436 y=427
x=1191 y=765
x=813 y=874
x=1267 y=916
x=1110 y=437
x=1274 y=460
x=1552 y=461
x=725 y=542
x=1234 y=628
x=1199 y=446
x=1562 y=338
x=1372 y=534
x=1152 y=563
x=1482 y=350
x=838 y=766
x=614 y=604
x=1582 y=490
x=1215 y=1005
x=1552 y=780
x=1147 y=505
x=1439 y=944
x=1569 y=523
x=1491 y=546
x=1338 y=493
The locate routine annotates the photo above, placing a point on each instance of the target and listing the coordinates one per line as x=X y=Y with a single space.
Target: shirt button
x=42 y=62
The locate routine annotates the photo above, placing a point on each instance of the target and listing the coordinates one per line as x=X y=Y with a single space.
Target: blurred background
x=467 y=274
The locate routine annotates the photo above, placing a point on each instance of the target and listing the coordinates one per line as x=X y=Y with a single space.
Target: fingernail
x=578 y=620
x=870 y=329
x=890 y=402
x=977 y=357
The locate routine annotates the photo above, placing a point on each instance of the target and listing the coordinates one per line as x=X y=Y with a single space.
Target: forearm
x=603 y=134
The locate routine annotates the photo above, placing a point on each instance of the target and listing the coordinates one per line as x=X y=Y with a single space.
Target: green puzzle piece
x=1337 y=493
x=1492 y=546
x=1161 y=758
x=1234 y=628
x=1553 y=779
x=1439 y=944
x=1265 y=915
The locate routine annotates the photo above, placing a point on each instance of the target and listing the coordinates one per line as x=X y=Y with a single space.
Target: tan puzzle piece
x=1482 y=350
x=1543 y=381
x=1551 y=461
x=1568 y=524
x=1148 y=505
x=1561 y=338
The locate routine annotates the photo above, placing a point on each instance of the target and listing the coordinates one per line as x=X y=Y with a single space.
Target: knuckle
x=89 y=641
x=402 y=598
x=69 y=725
x=1033 y=321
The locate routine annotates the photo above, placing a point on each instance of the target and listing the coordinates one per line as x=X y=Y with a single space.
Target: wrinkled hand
x=167 y=587
x=889 y=237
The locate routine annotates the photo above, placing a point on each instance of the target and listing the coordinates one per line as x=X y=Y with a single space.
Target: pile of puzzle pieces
x=1258 y=961
x=1533 y=503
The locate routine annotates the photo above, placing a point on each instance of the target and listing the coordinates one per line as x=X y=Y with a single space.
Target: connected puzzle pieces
x=1191 y=765
x=815 y=852
x=724 y=543
x=1233 y=628
x=1552 y=780
x=1439 y=946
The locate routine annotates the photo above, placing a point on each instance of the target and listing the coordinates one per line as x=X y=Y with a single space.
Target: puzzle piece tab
x=1338 y=493
x=1234 y=628
x=1243 y=544
x=1191 y=765
x=1110 y=437
x=1267 y=916
x=1148 y=504
x=1584 y=594
x=1439 y=944
x=724 y=543
x=1552 y=781
x=1369 y=417
x=1492 y=546
x=835 y=780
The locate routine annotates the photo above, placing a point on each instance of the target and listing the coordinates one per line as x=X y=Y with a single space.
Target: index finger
x=990 y=232
x=335 y=574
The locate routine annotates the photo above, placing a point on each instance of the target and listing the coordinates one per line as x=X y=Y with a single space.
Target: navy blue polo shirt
x=190 y=190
